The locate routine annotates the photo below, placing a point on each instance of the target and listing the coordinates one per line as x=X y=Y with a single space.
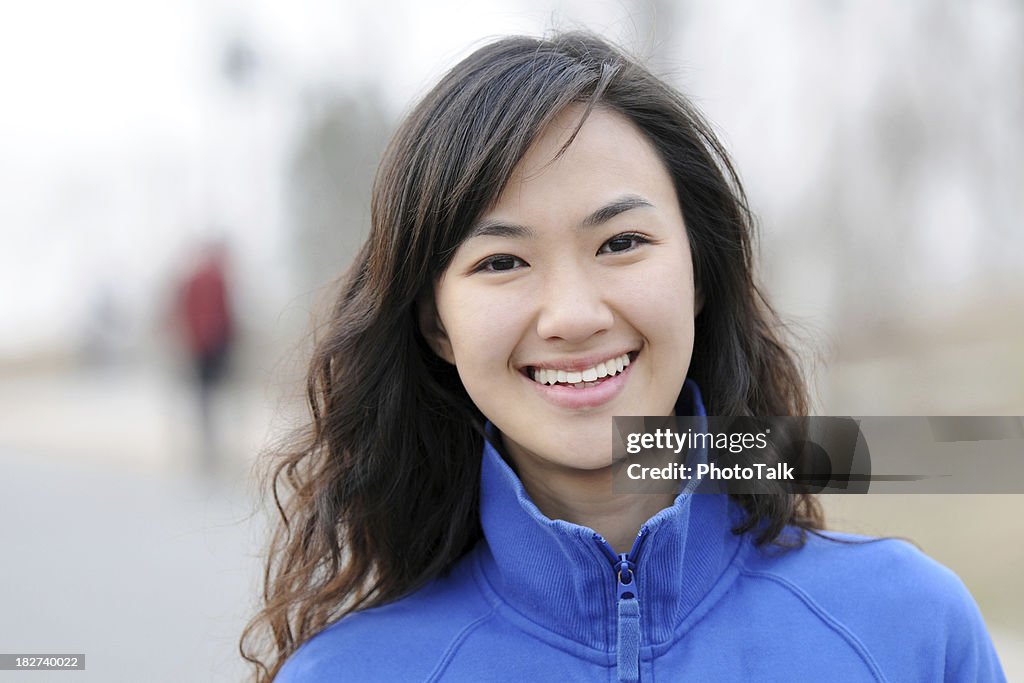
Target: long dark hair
x=381 y=493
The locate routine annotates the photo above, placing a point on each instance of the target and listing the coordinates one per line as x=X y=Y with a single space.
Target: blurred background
x=184 y=180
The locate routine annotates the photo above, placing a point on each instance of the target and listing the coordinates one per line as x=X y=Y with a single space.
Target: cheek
x=483 y=328
x=659 y=299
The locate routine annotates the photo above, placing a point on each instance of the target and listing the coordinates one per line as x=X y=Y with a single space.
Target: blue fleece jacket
x=539 y=600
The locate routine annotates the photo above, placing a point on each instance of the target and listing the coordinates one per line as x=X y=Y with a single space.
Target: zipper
x=627 y=650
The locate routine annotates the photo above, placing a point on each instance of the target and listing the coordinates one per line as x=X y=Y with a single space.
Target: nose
x=573 y=307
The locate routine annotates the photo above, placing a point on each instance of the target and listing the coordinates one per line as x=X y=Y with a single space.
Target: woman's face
x=582 y=264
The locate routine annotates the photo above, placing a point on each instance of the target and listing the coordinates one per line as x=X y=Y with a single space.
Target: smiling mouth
x=582 y=379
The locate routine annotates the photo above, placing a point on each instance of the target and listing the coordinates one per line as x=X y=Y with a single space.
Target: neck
x=585 y=497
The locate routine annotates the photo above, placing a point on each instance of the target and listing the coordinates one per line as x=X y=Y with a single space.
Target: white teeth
x=545 y=376
x=584 y=378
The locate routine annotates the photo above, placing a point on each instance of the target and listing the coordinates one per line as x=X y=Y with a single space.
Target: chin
x=584 y=456
x=570 y=450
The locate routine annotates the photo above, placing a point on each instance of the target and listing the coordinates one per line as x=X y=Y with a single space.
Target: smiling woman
x=597 y=269
x=558 y=239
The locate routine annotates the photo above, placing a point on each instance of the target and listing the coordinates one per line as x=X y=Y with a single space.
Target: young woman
x=558 y=238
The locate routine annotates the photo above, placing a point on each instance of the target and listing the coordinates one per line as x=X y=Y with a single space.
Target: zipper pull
x=628 y=647
x=627 y=650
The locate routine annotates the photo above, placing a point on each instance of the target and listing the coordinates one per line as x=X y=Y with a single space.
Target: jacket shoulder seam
x=455 y=644
x=851 y=639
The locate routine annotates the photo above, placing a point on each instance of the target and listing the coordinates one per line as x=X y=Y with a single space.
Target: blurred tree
x=658 y=22
x=332 y=176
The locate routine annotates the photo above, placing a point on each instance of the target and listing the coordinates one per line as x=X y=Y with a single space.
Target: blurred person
x=206 y=322
x=557 y=238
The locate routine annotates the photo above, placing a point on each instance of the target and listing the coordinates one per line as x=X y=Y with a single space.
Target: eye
x=499 y=263
x=623 y=242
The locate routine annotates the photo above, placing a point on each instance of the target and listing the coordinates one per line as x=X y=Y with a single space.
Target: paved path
x=152 y=578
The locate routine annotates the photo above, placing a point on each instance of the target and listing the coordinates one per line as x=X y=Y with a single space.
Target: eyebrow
x=496 y=228
x=613 y=209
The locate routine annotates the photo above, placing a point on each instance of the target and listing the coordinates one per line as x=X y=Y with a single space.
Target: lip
x=578 y=364
x=590 y=397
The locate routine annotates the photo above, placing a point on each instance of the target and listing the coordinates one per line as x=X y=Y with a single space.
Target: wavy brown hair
x=380 y=494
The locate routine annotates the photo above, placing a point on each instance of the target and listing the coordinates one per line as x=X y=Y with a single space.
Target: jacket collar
x=555 y=573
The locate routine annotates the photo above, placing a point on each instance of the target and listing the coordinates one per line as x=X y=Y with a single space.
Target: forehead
x=609 y=156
